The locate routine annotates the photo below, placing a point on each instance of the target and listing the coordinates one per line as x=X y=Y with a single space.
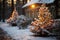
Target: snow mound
x=20 y=34
x=22 y=17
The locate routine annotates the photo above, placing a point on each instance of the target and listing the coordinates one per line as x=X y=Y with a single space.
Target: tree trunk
x=3 y=14
x=56 y=7
x=12 y=5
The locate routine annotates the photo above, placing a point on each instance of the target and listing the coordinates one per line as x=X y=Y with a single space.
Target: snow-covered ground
x=21 y=34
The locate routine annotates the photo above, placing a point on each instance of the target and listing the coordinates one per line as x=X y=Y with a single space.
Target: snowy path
x=19 y=34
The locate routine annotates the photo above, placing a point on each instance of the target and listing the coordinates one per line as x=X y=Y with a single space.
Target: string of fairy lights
x=44 y=17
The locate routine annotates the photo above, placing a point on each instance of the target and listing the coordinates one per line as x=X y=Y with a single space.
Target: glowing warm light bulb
x=33 y=6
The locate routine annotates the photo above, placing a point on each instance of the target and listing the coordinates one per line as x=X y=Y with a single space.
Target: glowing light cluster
x=13 y=16
x=32 y=6
x=44 y=17
x=28 y=1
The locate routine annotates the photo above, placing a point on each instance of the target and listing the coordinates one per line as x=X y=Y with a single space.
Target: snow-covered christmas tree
x=13 y=17
x=44 y=19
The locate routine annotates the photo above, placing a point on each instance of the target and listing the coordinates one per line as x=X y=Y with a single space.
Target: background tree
x=3 y=14
x=12 y=5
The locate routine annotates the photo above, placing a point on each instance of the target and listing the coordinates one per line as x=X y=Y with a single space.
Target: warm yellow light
x=33 y=6
x=28 y=1
x=14 y=1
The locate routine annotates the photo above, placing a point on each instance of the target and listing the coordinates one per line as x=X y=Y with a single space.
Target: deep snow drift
x=21 y=34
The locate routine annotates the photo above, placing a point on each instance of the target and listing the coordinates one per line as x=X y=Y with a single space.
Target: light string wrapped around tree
x=44 y=19
x=13 y=17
